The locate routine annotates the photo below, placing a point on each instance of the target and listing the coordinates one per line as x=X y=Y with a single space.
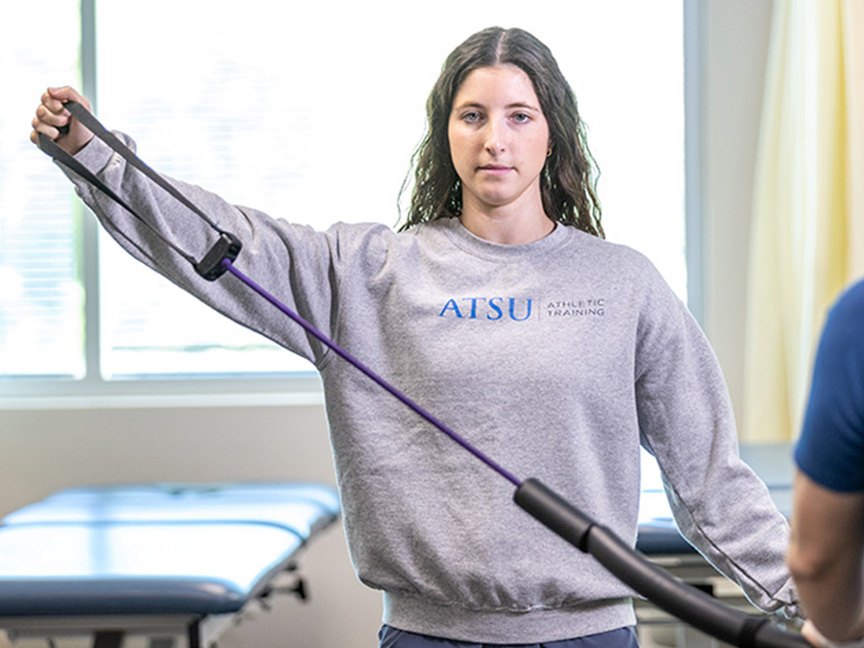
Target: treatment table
x=159 y=560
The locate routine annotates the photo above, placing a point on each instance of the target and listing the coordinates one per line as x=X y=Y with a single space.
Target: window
x=41 y=316
x=258 y=102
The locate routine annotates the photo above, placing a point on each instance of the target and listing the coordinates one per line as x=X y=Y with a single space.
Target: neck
x=506 y=227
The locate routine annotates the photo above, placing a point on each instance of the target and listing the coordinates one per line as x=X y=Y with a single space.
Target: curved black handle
x=692 y=606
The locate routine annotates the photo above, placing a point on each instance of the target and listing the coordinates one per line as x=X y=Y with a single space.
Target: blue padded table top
x=154 y=568
x=294 y=506
x=155 y=549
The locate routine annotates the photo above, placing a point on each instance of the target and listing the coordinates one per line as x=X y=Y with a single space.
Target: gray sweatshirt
x=556 y=358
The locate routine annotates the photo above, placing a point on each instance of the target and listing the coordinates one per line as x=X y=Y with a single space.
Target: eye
x=471 y=116
x=521 y=117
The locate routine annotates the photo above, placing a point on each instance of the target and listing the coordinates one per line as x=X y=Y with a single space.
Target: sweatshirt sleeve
x=296 y=264
x=686 y=422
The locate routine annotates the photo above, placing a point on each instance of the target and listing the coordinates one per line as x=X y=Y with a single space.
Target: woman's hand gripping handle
x=55 y=122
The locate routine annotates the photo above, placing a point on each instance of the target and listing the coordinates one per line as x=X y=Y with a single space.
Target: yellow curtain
x=807 y=240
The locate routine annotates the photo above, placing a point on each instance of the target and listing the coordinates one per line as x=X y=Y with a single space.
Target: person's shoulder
x=845 y=320
x=366 y=242
x=356 y=234
x=850 y=303
x=365 y=228
x=613 y=255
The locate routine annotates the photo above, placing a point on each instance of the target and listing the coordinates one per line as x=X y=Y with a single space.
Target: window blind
x=41 y=297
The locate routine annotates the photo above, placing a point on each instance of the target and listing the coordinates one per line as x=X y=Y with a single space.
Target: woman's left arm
x=686 y=421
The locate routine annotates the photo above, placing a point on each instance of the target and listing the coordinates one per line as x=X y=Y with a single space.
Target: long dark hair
x=568 y=181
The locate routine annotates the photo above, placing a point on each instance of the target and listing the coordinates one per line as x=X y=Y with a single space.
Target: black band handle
x=227 y=246
x=689 y=604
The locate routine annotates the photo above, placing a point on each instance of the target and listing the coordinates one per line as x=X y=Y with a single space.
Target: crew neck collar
x=473 y=244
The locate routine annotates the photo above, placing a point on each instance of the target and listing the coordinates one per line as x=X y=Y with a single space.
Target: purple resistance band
x=342 y=353
x=550 y=509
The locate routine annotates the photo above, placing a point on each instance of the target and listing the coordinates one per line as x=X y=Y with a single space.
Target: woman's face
x=499 y=138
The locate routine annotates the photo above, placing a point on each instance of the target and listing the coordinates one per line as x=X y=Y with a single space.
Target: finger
x=35 y=138
x=67 y=93
x=811 y=633
x=51 y=118
x=46 y=129
x=52 y=104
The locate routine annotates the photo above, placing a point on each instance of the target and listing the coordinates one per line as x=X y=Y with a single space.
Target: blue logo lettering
x=513 y=310
x=495 y=308
x=451 y=304
x=489 y=308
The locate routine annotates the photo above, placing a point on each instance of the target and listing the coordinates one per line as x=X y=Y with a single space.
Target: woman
x=500 y=306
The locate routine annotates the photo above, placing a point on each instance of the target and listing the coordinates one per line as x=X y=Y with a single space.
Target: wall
x=44 y=450
x=735 y=49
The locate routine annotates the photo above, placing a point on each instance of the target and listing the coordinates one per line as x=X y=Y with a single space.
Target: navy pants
x=392 y=638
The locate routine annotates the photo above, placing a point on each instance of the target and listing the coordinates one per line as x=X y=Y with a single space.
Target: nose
x=494 y=137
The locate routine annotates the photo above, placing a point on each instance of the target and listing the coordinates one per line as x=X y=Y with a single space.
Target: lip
x=495 y=169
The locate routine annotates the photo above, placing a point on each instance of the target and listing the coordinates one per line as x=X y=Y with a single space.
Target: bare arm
x=826 y=558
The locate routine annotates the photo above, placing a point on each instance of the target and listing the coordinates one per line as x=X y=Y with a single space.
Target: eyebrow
x=510 y=106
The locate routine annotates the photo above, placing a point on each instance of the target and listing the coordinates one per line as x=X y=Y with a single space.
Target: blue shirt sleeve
x=831 y=448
